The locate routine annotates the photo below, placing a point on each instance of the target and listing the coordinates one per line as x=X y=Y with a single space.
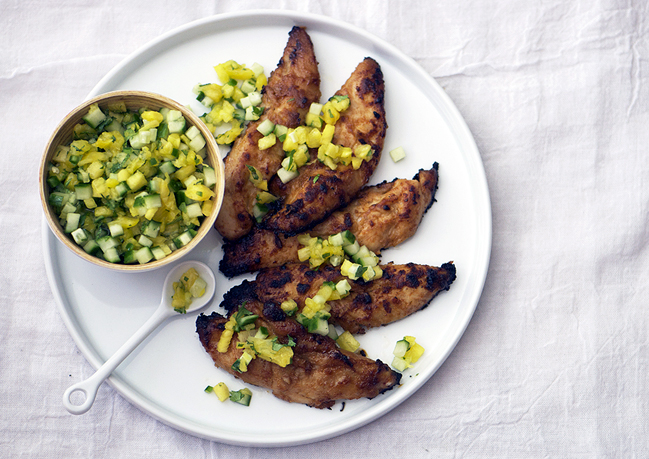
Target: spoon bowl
x=90 y=386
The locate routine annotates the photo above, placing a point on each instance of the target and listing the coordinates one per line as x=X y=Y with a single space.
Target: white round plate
x=167 y=374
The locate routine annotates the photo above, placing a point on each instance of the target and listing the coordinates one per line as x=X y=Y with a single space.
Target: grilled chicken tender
x=320 y=373
x=401 y=291
x=286 y=99
x=318 y=190
x=380 y=216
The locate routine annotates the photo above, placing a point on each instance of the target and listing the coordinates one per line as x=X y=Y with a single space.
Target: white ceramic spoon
x=90 y=386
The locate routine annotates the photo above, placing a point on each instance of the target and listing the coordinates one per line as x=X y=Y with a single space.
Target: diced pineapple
x=347 y=342
x=222 y=391
x=329 y=113
x=267 y=141
x=153 y=120
x=198 y=192
x=136 y=181
x=327 y=134
x=95 y=169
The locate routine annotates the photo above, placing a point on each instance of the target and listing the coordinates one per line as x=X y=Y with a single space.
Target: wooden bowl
x=133 y=100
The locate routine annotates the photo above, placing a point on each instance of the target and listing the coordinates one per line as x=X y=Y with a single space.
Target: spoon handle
x=90 y=386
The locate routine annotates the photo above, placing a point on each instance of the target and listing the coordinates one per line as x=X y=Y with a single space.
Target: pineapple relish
x=190 y=285
x=133 y=185
x=237 y=101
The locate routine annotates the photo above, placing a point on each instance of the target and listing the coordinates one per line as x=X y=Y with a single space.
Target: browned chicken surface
x=400 y=292
x=380 y=216
x=320 y=373
x=318 y=190
x=286 y=99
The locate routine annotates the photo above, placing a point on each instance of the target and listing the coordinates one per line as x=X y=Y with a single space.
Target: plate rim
x=469 y=147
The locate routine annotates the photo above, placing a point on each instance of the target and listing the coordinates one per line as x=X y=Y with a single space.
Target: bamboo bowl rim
x=134 y=100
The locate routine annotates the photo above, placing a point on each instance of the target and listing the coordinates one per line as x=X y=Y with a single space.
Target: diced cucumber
x=83 y=191
x=336 y=260
x=266 y=127
x=352 y=270
x=69 y=207
x=254 y=98
x=190 y=180
x=91 y=247
x=317 y=324
x=58 y=200
x=239 y=114
x=286 y=176
x=397 y=154
x=336 y=239
x=252 y=114
x=348 y=237
x=129 y=257
x=154 y=186
x=192 y=132
x=121 y=189
x=210 y=176
x=245 y=102
x=143 y=138
x=158 y=253
x=177 y=127
x=80 y=236
x=400 y=364
x=241 y=397
x=152 y=201
x=205 y=100
x=53 y=181
x=357 y=270
x=168 y=167
x=115 y=229
x=143 y=255
x=181 y=198
x=369 y=261
x=363 y=252
x=369 y=273
x=194 y=210
x=352 y=249
x=94 y=117
x=197 y=143
x=72 y=222
x=107 y=242
x=183 y=239
x=322 y=327
x=343 y=288
x=257 y=69
x=280 y=131
x=151 y=228
x=259 y=211
x=144 y=241
x=198 y=288
x=248 y=86
x=401 y=348
x=175 y=121
x=112 y=255
x=115 y=126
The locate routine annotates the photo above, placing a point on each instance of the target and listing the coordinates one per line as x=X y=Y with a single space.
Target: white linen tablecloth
x=555 y=361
